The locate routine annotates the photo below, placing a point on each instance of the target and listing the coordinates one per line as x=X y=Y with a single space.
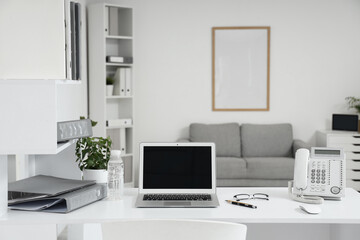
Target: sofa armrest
x=297 y=144
x=183 y=140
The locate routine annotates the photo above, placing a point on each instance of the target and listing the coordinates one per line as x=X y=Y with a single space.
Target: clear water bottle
x=115 y=176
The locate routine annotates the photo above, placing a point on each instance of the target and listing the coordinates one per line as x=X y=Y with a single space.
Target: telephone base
x=324 y=197
x=332 y=198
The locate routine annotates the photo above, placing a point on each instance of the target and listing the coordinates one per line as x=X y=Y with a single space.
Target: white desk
x=278 y=214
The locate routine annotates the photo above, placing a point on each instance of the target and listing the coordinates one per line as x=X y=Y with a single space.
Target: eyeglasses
x=245 y=196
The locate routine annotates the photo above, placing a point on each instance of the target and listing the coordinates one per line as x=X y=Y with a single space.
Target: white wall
x=314 y=63
x=315 y=54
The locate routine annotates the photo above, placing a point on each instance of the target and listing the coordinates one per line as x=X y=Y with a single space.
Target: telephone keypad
x=318 y=176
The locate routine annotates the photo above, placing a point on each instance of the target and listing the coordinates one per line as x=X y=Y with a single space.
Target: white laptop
x=177 y=175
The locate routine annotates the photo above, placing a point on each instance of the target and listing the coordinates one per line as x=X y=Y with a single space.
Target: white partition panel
x=3 y=184
x=28 y=117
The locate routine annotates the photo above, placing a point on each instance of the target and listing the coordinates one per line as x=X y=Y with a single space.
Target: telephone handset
x=318 y=175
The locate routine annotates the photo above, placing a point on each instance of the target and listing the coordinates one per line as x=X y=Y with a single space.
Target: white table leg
x=88 y=231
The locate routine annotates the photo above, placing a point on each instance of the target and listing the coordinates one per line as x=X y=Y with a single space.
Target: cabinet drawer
x=348 y=147
x=353 y=184
x=353 y=155
x=351 y=164
x=344 y=139
x=351 y=174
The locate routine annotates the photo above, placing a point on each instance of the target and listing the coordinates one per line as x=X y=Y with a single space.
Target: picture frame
x=241 y=68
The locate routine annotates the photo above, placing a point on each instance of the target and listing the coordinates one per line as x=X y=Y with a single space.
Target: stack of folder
x=52 y=194
x=123 y=82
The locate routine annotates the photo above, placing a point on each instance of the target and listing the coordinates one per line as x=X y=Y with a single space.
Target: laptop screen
x=177 y=167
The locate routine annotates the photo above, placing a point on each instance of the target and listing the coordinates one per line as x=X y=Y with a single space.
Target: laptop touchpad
x=177 y=203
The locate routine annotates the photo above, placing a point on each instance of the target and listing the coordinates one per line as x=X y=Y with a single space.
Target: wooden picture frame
x=240 y=68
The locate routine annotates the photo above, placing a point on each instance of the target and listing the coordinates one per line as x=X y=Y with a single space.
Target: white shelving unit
x=350 y=142
x=110 y=33
x=39 y=80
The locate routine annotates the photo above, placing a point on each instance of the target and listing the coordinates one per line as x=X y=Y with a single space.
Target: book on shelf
x=119 y=84
x=118 y=59
x=113 y=21
x=123 y=82
x=51 y=194
x=119 y=122
x=128 y=80
x=123 y=140
x=107 y=30
x=73 y=129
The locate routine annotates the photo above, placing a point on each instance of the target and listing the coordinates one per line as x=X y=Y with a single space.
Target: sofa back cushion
x=225 y=136
x=273 y=140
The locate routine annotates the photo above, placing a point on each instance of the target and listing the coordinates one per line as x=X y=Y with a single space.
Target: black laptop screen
x=177 y=167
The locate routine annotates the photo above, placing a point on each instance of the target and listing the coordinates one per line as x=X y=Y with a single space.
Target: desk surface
x=279 y=209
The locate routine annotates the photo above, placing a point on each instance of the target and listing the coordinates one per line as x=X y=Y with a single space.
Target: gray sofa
x=250 y=154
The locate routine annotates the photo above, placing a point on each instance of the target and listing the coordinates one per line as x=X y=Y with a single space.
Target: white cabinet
x=30 y=112
x=34 y=91
x=110 y=33
x=350 y=142
x=40 y=39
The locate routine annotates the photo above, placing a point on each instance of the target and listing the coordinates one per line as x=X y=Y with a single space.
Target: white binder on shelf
x=119 y=85
x=125 y=122
x=114 y=19
x=123 y=140
x=107 y=21
x=128 y=82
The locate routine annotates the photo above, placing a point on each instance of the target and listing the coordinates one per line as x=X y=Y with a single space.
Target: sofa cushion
x=270 y=168
x=252 y=182
x=230 y=168
x=273 y=140
x=225 y=136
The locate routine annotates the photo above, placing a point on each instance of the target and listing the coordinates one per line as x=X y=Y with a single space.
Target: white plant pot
x=99 y=175
x=109 y=90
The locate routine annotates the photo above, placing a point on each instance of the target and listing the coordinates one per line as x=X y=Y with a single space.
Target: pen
x=241 y=204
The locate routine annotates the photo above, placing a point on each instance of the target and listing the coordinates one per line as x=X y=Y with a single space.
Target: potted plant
x=92 y=156
x=109 y=86
x=354 y=102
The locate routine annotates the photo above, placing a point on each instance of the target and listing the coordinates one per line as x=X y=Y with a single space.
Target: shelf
x=119 y=37
x=117 y=41
x=119 y=64
x=116 y=6
x=117 y=97
x=65 y=81
x=118 y=127
x=37 y=81
x=65 y=145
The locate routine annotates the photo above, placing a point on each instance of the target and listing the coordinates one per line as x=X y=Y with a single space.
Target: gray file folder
x=41 y=186
x=64 y=203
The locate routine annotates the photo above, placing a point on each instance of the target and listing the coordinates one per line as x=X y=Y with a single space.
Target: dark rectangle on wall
x=345 y=122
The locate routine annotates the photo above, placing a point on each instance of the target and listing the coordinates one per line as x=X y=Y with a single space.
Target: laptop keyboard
x=174 y=197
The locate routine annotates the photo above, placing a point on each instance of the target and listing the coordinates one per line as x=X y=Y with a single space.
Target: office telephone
x=318 y=175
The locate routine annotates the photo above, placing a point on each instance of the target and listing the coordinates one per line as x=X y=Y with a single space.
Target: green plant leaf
x=93 y=152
